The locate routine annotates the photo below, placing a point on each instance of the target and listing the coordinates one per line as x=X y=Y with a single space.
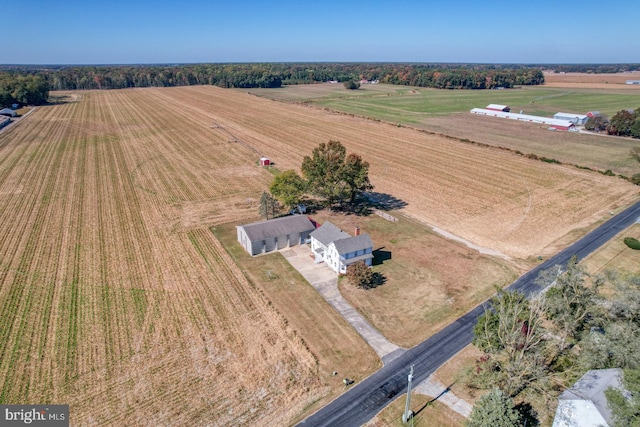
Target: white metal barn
x=576 y=119
x=554 y=123
x=279 y=233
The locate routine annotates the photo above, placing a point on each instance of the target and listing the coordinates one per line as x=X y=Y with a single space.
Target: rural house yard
x=119 y=300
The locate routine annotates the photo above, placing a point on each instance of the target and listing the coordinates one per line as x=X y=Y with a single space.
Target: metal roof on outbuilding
x=261 y=230
x=590 y=389
x=523 y=117
x=498 y=107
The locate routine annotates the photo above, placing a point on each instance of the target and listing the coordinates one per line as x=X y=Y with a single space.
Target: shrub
x=359 y=274
x=362 y=276
x=632 y=243
x=636 y=179
x=545 y=159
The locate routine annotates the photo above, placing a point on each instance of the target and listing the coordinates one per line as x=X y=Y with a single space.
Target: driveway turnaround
x=325 y=281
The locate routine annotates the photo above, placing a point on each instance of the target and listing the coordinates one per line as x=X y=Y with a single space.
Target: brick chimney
x=357 y=232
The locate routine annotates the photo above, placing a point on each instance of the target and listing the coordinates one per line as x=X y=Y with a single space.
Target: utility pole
x=408 y=413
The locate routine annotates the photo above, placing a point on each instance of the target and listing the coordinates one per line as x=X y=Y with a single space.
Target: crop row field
x=113 y=297
x=116 y=298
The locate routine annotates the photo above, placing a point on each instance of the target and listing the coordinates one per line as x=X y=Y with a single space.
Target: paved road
x=364 y=400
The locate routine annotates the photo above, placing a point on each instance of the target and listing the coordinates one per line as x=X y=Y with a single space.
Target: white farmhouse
x=338 y=249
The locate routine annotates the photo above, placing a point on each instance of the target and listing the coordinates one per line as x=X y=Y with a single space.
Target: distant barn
x=633 y=82
x=279 y=233
x=265 y=161
x=4 y=121
x=553 y=123
x=576 y=119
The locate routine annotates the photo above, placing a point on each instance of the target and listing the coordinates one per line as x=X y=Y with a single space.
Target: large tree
x=513 y=339
x=571 y=301
x=289 y=188
x=334 y=176
x=622 y=122
x=355 y=174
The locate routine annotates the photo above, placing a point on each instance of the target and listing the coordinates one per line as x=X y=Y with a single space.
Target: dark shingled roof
x=352 y=244
x=277 y=227
x=328 y=233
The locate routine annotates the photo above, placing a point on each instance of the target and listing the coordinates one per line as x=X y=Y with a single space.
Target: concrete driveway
x=325 y=281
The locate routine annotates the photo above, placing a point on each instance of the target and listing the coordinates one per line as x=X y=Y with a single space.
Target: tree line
x=271 y=75
x=23 y=90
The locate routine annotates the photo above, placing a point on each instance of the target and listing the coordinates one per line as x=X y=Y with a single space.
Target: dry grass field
x=430 y=280
x=117 y=299
x=589 y=80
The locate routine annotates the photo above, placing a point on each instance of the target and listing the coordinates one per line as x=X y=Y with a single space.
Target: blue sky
x=188 y=31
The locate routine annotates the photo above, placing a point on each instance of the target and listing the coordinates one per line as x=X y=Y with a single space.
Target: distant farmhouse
x=279 y=233
x=585 y=404
x=338 y=250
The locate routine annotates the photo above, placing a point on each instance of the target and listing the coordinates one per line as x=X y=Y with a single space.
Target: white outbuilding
x=576 y=119
x=553 y=123
x=271 y=235
x=585 y=404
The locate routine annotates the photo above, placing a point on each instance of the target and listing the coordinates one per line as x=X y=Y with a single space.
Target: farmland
x=447 y=112
x=117 y=299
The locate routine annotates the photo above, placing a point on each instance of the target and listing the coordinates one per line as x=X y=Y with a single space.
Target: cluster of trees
x=269 y=75
x=22 y=89
x=625 y=123
x=533 y=349
x=332 y=175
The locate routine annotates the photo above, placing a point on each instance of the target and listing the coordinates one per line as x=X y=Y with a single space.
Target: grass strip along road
x=362 y=402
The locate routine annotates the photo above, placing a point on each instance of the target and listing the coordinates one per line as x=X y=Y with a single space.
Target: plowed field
x=115 y=297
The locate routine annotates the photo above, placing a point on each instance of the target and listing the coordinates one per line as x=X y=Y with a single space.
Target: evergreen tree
x=269 y=206
x=494 y=409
